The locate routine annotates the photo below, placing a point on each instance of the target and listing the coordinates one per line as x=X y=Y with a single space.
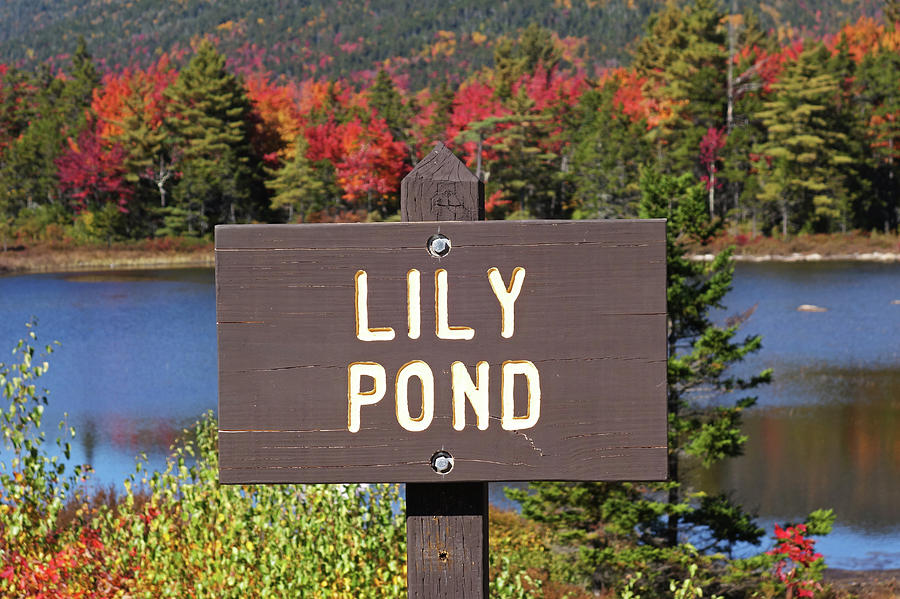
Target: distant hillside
x=428 y=38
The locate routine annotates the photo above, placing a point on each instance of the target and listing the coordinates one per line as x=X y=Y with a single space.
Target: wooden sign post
x=446 y=524
x=444 y=353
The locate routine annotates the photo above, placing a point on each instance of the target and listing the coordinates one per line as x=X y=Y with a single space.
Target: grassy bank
x=147 y=253
x=855 y=245
x=162 y=253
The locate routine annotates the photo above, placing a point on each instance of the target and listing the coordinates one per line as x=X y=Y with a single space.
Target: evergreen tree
x=436 y=129
x=14 y=98
x=58 y=111
x=878 y=81
x=388 y=104
x=28 y=169
x=631 y=526
x=892 y=11
x=78 y=90
x=296 y=186
x=523 y=175
x=745 y=90
x=802 y=167
x=150 y=152
x=609 y=150
x=151 y=158
x=219 y=180
x=513 y=59
x=739 y=165
x=684 y=59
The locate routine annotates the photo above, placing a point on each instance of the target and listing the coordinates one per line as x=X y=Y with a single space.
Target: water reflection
x=137 y=362
x=137 y=435
x=825 y=433
x=190 y=275
x=842 y=453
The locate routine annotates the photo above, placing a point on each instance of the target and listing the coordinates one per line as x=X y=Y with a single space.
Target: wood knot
x=443 y=555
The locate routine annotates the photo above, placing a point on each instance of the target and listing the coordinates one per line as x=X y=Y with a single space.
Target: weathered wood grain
x=446 y=523
x=591 y=317
x=447 y=538
x=441 y=188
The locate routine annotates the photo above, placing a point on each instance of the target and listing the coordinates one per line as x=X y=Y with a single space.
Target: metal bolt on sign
x=438 y=245
x=442 y=462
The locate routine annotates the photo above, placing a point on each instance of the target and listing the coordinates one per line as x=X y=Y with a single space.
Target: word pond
x=463 y=387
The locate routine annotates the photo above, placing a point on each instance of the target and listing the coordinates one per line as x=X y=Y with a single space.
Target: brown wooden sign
x=531 y=350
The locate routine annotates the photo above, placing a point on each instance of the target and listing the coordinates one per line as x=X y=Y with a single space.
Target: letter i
x=414 y=302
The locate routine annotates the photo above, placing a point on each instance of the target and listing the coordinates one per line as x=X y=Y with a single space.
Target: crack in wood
x=418 y=248
x=257 y=466
x=594 y=434
x=278 y=430
x=497 y=363
x=516 y=464
x=531 y=441
x=354 y=446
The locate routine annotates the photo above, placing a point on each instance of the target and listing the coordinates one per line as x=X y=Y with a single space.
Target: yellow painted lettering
x=508 y=420
x=420 y=370
x=507 y=296
x=477 y=393
x=356 y=397
x=363 y=331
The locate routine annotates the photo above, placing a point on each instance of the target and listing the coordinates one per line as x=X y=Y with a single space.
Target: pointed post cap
x=441 y=187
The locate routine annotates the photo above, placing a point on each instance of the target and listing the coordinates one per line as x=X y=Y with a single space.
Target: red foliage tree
x=276 y=118
x=133 y=93
x=474 y=102
x=372 y=162
x=710 y=146
x=92 y=172
x=797 y=555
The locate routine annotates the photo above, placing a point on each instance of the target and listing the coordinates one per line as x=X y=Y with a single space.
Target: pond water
x=826 y=433
x=137 y=360
x=138 y=363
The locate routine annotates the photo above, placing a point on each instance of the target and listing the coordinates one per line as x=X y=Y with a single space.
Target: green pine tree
x=608 y=155
x=296 y=186
x=388 y=104
x=684 y=57
x=745 y=96
x=802 y=171
x=436 y=128
x=219 y=180
x=525 y=174
x=78 y=91
x=892 y=12
x=150 y=152
x=620 y=528
x=150 y=163
x=57 y=110
x=878 y=81
x=512 y=59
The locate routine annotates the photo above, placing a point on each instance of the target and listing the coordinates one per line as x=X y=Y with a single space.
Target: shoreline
x=884 y=257
x=44 y=260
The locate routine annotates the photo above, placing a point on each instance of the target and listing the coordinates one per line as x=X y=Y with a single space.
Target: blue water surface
x=136 y=360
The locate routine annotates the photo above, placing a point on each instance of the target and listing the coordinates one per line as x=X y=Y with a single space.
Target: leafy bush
x=261 y=541
x=178 y=533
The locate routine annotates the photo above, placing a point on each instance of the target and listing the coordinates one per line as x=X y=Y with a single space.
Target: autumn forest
x=789 y=130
